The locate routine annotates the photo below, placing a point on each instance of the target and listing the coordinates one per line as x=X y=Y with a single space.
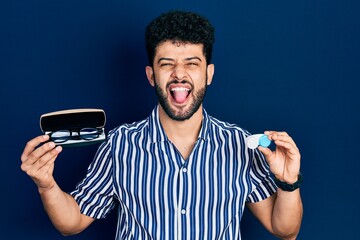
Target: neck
x=187 y=130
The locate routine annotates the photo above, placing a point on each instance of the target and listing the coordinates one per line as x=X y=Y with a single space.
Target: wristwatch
x=288 y=187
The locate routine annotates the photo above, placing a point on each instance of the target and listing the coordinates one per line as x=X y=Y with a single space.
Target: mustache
x=176 y=81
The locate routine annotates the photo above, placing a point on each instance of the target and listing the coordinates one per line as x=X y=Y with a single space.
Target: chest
x=157 y=187
x=184 y=148
x=160 y=172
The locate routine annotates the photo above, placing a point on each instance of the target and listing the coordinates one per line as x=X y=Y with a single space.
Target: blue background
x=284 y=65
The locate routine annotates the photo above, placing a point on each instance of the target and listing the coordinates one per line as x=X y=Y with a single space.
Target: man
x=180 y=173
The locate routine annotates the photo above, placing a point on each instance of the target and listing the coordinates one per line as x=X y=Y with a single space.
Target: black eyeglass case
x=75 y=120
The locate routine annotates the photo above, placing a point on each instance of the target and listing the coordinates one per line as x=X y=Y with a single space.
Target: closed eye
x=166 y=64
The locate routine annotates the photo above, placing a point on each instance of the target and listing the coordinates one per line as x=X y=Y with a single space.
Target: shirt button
x=183 y=211
x=184 y=170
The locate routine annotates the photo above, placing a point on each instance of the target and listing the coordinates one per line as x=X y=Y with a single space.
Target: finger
x=285 y=139
x=273 y=133
x=47 y=168
x=286 y=145
x=278 y=137
x=39 y=152
x=43 y=177
x=288 y=148
x=47 y=157
x=267 y=153
x=39 y=170
x=31 y=145
x=40 y=157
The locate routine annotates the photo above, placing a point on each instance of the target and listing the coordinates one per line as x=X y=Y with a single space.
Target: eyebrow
x=172 y=60
x=192 y=58
x=165 y=59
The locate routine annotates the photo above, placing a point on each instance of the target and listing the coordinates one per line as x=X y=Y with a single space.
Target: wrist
x=291 y=180
x=43 y=190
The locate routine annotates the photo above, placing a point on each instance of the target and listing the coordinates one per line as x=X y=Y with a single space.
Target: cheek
x=199 y=78
x=160 y=80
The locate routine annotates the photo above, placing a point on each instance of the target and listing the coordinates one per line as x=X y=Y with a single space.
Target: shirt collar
x=157 y=133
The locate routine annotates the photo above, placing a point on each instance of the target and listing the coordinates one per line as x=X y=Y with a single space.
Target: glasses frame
x=76 y=135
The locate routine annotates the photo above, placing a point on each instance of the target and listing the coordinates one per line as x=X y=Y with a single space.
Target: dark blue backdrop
x=284 y=65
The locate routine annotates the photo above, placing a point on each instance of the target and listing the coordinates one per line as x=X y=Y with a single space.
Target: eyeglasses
x=88 y=134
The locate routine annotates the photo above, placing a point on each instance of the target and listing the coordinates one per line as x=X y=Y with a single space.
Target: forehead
x=176 y=49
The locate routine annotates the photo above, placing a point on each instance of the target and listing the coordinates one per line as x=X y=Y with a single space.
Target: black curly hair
x=180 y=26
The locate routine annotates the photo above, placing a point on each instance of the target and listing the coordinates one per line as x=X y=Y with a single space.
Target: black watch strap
x=288 y=187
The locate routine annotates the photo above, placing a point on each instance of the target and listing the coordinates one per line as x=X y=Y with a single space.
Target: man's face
x=180 y=76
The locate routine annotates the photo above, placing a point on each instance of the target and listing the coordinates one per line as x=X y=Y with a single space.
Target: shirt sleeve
x=95 y=194
x=262 y=184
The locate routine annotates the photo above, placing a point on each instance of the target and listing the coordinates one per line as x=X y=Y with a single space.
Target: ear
x=210 y=73
x=150 y=75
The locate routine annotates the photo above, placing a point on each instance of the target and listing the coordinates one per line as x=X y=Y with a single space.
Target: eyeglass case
x=74 y=120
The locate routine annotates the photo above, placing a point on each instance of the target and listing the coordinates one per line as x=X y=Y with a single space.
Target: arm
x=38 y=163
x=281 y=214
x=64 y=211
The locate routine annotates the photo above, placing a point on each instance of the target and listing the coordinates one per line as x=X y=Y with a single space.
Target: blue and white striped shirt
x=163 y=196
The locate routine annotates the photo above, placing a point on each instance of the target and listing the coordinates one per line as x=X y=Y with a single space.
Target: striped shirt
x=163 y=196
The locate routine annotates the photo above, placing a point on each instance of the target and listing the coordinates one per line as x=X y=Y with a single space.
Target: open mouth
x=179 y=94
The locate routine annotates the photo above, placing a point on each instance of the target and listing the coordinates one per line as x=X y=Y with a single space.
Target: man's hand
x=281 y=213
x=284 y=162
x=38 y=161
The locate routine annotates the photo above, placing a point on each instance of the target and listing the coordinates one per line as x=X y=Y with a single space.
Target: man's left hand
x=284 y=161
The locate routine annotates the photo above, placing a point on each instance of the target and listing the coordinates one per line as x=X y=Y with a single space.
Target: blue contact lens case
x=264 y=141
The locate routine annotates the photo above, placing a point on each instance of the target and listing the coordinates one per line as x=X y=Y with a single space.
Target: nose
x=179 y=72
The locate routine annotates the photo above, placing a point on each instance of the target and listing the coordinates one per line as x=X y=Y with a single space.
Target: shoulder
x=128 y=129
x=223 y=126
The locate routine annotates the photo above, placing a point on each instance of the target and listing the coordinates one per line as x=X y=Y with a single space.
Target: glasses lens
x=60 y=136
x=89 y=133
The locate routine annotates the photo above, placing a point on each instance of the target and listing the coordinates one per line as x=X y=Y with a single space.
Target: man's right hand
x=38 y=160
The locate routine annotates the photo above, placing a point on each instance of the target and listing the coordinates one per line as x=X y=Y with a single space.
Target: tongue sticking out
x=180 y=96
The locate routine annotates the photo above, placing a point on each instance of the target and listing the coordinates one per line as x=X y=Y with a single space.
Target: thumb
x=267 y=153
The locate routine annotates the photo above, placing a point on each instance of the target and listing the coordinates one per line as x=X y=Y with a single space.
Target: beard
x=180 y=113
